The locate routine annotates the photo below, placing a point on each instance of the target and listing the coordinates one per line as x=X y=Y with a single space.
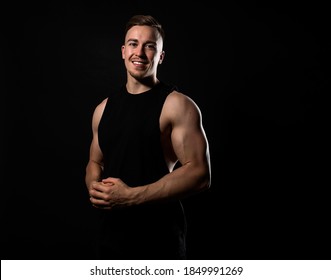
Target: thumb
x=109 y=180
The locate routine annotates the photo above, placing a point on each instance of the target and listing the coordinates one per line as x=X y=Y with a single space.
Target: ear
x=122 y=50
x=161 y=57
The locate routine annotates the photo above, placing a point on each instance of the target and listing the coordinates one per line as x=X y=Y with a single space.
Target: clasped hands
x=110 y=193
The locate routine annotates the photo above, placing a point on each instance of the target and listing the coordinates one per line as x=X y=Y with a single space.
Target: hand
x=110 y=193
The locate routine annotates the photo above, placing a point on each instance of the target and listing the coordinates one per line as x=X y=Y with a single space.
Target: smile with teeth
x=137 y=62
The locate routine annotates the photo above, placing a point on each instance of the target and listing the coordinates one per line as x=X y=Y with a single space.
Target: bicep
x=95 y=151
x=188 y=136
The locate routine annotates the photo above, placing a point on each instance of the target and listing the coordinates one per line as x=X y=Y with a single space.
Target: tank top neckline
x=144 y=93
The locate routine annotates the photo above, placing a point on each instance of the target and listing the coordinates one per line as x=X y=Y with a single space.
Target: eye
x=151 y=46
x=132 y=44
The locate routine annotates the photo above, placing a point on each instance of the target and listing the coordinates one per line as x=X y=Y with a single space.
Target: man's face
x=142 y=51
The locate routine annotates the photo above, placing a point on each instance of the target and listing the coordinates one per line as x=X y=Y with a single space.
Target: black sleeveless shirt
x=130 y=140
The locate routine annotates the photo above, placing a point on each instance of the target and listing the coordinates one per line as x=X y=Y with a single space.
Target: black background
x=260 y=75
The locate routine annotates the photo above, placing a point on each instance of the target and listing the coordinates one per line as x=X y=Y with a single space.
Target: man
x=148 y=151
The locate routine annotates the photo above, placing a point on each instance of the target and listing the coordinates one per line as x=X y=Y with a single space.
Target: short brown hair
x=145 y=20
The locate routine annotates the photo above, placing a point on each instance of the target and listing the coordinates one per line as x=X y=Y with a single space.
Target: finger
x=99 y=202
x=99 y=187
x=97 y=194
x=109 y=180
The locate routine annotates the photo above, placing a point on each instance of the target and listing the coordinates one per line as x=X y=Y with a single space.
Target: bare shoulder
x=179 y=97
x=180 y=103
x=98 y=111
x=100 y=107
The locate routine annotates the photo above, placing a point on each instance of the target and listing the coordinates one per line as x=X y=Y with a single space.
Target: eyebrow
x=134 y=40
x=147 y=42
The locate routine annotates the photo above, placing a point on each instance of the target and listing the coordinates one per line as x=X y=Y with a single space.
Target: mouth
x=139 y=62
x=139 y=65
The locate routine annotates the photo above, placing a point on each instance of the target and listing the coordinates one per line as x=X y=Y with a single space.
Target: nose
x=140 y=51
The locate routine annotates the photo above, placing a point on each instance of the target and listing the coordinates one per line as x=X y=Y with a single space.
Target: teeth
x=136 y=62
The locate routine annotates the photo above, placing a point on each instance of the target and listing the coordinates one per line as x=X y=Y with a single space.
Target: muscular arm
x=190 y=147
x=94 y=166
x=188 y=144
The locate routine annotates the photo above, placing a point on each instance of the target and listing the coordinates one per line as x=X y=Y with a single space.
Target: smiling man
x=148 y=151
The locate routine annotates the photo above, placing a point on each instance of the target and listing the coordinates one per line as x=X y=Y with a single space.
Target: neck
x=135 y=86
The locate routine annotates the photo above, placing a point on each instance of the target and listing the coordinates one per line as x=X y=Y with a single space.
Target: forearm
x=93 y=173
x=182 y=182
